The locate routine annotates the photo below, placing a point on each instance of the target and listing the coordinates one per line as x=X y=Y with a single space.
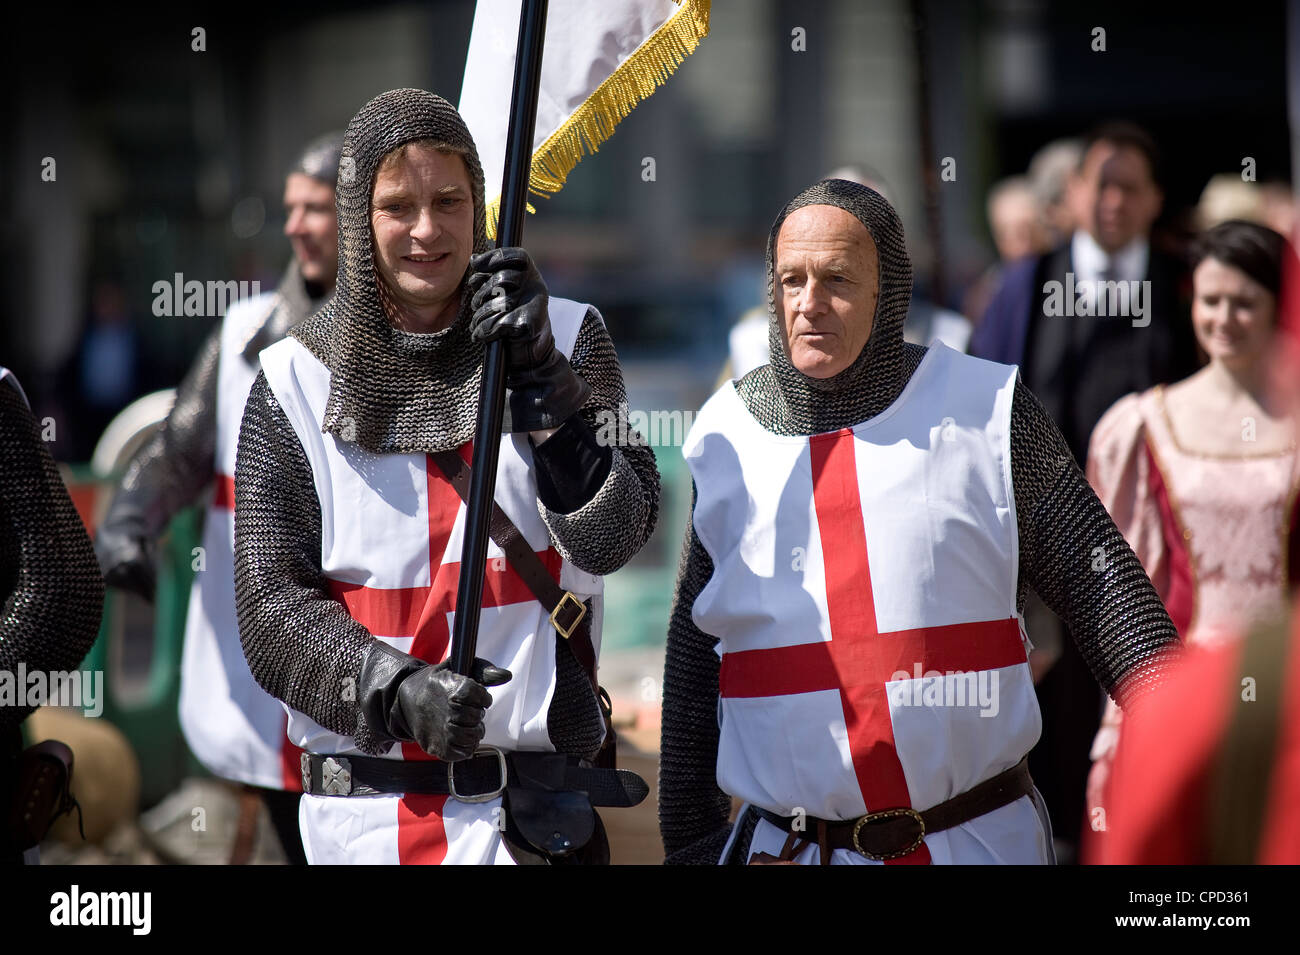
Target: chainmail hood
x=785 y=400
x=393 y=391
x=295 y=299
x=320 y=158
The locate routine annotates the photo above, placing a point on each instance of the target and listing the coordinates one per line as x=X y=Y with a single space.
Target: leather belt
x=483 y=776
x=891 y=833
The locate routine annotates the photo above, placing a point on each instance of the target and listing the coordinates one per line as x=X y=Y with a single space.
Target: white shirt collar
x=1089 y=259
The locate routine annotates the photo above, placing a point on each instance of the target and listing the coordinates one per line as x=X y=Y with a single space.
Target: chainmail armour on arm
x=294 y=300
x=50 y=585
x=301 y=646
x=176 y=463
x=397 y=392
x=605 y=533
x=1114 y=614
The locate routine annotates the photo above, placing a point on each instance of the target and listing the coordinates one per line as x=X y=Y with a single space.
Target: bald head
x=826 y=280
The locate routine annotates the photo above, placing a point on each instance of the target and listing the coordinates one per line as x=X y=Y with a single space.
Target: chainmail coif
x=787 y=401
x=51 y=593
x=394 y=392
x=1113 y=613
x=320 y=158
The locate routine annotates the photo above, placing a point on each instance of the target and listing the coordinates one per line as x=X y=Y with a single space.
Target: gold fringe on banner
x=647 y=68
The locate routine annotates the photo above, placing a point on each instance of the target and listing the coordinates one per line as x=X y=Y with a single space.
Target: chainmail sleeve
x=301 y=645
x=50 y=585
x=1075 y=558
x=693 y=811
x=606 y=532
x=170 y=470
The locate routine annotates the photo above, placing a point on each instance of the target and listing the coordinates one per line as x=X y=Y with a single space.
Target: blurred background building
x=170 y=159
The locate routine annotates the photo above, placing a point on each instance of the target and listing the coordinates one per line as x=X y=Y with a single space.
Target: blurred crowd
x=1181 y=408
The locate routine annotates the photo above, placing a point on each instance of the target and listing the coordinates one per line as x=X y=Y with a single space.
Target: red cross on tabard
x=858 y=660
x=421 y=612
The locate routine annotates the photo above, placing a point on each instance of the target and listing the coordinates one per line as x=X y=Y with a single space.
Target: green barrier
x=639 y=596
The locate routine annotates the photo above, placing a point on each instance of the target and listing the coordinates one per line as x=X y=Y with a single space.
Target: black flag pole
x=492 y=397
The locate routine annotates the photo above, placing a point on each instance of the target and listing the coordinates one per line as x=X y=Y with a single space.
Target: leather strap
x=529 y=567
x=42 y=793
x=891 y=832
x=335 y=775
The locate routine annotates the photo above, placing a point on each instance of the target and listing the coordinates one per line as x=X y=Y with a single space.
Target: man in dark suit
x=1079 y=364
x=1101 y=316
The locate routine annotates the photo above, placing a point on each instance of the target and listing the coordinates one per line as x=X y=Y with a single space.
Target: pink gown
x=1216 y=534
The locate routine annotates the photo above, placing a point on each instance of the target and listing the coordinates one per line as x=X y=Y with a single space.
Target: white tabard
x=863 y=597
x=391 y=535
x=234 y=727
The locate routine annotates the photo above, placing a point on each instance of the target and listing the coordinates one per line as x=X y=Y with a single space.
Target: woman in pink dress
x=1202 y=476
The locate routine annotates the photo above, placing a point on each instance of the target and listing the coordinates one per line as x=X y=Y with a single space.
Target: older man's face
x=827 y=278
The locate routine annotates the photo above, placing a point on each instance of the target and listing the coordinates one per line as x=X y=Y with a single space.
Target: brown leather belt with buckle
x=893 y=833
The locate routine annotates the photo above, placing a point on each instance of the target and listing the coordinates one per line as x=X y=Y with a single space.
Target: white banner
x=600 y=59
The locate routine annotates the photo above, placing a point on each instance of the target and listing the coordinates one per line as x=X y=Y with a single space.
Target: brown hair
x=1251 y=248
x=396 y=155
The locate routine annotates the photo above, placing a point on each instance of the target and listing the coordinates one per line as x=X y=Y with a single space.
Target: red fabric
x=859 y=659
x=223 y=498
x=1181 y=599
x=421 y=833
x=83 y=499
x=1284 y=377
x=421 y=612
x=1281 y=842
x=290 y=763
x=1155 y=797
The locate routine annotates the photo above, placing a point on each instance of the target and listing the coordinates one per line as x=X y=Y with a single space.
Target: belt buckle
x=889 y=814
x=582 y=612
x=336 y=776
x=481 y=797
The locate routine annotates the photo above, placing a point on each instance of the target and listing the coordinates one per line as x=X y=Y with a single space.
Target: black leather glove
x=509 y=302
x=126 y=560
x=409 y=700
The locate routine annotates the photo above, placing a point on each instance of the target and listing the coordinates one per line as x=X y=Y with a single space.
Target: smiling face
x=826 y=273
x=422 y=219
x=312 y=227
x=1233 y=315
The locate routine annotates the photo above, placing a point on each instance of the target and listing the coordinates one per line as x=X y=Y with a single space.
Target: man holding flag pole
x=354 y=547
